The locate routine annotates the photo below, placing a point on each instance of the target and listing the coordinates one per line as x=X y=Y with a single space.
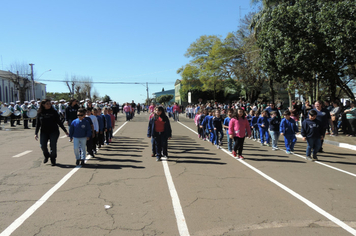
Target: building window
x=42 y=93
x=12 y=94
x=1 y=94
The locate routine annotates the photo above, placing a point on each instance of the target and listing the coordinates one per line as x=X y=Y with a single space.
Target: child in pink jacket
x=238 y=127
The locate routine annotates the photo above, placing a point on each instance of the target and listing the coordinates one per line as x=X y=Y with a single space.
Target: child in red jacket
x=238 y=127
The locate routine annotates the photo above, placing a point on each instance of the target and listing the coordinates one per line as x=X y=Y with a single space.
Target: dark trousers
x=323 y=131
x=107 y=136
x=53 y=138
x=95 y=141
x=12 y=119
x=100 y=138
x=25 y=121
x=161 y=144
x=218 y=136
x=239 y=145
x=90 y=146
x=34 y=122
x=352 y=126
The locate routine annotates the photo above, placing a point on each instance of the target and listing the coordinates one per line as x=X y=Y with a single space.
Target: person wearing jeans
x=274 y=129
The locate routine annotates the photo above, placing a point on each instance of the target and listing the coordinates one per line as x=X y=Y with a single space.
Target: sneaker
x=158 y=159
x=217 y=146
x=199 y=136
x=274 y=149
x=241 y=157
x=288 y=152
x=153 y=154
x=292 y=150
x=262 y=144
x=77 y=162
x=82 y=162
x=234 y=153
x=45 y=160
x=268 y=144
x=204 y=139
x=309 y=158
x=315 y=158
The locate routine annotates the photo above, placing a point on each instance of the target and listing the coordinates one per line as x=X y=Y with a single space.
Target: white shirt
x=95 y=122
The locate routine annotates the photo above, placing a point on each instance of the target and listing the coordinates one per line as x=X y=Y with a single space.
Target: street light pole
x=33 y=82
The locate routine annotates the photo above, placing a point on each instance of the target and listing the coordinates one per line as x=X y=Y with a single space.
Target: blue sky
x=120 y=41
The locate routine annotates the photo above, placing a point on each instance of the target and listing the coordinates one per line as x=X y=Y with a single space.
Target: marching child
x=311 y=132
x=226 y=127
x=100 y=139
x=79 y=133
x=218 y=129
x=238 y=127
x=160 y=129
x=274 y=129
x=288 y=129
x=254 y=125
x=263 y=126
x=196 y=121
x=203 y=124
x=108 y=126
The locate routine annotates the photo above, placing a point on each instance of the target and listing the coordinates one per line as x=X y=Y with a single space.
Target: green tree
x=106 y=98
x=163 y=99
x=300 y=41
x=58 y=96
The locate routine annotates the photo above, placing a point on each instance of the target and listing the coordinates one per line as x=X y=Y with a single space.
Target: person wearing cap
x=33 y=106
x=24 y=109
x=5 y=118
x=17 y=107
x=62 y=110
x=12 y=117
x=81 y=104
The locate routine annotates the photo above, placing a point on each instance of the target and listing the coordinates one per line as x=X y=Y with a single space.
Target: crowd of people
x=265 y=122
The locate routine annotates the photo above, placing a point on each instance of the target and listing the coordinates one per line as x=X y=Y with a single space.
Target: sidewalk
x=339 y=141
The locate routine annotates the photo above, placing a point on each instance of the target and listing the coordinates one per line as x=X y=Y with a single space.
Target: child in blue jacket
x=288 y=128
x=79 y=133
x=263 y=125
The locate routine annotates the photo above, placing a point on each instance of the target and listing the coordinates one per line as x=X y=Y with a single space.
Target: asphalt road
x=199 y=190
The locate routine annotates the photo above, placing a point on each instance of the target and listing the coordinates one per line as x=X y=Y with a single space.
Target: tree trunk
x=345 y=88
x=271 y=88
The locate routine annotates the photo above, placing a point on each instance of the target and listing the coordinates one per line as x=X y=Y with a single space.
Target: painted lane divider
x=19 y=221
x=293 y=193
x=22 y=153
x=178 y=211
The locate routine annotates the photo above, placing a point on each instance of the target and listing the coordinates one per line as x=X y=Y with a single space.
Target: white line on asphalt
x=296 y=195
x=178 y=211
x=19 y=221
x=23 y=153
x=317 y=162
x=321 y=163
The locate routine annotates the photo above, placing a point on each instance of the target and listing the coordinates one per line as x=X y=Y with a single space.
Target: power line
x=102 y=82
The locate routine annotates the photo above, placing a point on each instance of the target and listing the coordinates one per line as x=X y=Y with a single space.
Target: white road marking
x=321 y=163
x=19 y=221
x=178 y=211
x=64 y=136
x=296 y=195
x=23 y=153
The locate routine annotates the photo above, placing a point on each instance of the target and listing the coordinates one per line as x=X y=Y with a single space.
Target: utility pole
x=33 y=82
x=147 y=92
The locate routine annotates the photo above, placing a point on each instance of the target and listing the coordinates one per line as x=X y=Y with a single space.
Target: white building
x=9 y=92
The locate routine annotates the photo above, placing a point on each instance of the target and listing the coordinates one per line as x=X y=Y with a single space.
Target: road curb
x=342 y=145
